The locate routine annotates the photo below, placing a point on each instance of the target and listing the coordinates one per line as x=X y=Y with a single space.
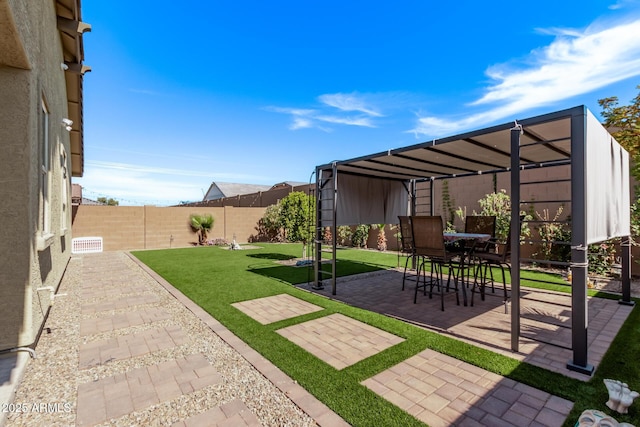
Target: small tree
x=624 y=123
x=297 y=218
x=108 y=201
x=499 y=205
x=201 y=225
x=270 y=225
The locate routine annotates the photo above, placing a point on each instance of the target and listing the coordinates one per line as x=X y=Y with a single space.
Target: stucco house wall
x=34 y=176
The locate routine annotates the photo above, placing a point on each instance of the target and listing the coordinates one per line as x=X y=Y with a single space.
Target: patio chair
x=407 y=248
x=494 y=254
x=477 y=224
x=429 y=247
x=480 y=224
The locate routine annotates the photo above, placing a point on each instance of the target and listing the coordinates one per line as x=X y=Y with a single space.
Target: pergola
x=377 y=188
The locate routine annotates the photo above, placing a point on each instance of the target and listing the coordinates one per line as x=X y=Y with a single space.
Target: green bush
x=297 y=216
x=551 y=232
x=360 y=236
x=344 y=234
x=499 y=205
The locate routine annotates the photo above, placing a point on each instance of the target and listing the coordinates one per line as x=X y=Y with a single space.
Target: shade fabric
x=367 y=200
x=607 y=176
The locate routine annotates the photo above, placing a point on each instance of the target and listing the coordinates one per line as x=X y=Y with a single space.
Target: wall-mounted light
x=66 y=123
x=64 y=66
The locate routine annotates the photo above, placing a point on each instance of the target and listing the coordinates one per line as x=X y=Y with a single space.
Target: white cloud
x=349 y=102
x=303 y=118
x=352 y=121
x=300 y=123
x=575 y=63
x=621 y=4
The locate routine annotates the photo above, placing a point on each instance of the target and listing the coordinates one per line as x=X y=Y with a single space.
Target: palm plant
x=201 y=225
x=382 y=237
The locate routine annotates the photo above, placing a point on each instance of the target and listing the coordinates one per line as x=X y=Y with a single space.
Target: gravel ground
x=53 y=377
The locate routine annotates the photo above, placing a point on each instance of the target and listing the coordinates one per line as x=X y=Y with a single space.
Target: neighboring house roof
x=220 y=190
x=288 y=183
x=86 y=201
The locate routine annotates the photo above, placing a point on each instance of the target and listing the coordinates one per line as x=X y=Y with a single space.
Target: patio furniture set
x=466 y=258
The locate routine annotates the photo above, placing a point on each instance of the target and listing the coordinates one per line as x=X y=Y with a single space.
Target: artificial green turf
x=215 y=278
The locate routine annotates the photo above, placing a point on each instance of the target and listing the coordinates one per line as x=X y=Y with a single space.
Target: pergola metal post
x=625 y=247
x=412 y=197
x=515 y=237
x=579 y=259
x=317 y=242
x=334 y=228
x=432 y=195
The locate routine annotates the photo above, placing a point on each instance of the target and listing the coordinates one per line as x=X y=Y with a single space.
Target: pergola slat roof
x=545 y=139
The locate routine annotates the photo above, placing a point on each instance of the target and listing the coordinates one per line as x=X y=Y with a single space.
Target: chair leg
x=415 y=296
x=404 y=275
x=504 y=281
x=483 y=281
x=455 y=282
x=476 y=270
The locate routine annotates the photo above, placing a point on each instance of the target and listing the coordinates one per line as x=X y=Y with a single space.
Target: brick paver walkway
x=339 y=340
x=101 y=352
x=232 y=414
x=443 y=391
x=137 y=389
x=111 y=322
x=140 y=355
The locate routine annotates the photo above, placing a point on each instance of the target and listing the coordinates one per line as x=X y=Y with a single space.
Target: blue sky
x=183 y=94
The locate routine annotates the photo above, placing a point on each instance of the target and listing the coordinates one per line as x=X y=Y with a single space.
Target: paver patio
x=545 y=318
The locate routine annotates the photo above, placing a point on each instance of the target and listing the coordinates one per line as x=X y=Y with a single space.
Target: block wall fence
x=152 y=227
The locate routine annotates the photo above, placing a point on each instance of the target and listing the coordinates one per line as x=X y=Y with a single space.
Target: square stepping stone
x=440 y=390
x=275 y=308
x=339 y=340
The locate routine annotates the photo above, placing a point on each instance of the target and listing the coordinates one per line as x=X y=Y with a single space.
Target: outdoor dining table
x=465 y=255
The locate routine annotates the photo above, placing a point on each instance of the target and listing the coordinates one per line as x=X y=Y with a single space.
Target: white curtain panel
x=608 y=195
x=368 y=200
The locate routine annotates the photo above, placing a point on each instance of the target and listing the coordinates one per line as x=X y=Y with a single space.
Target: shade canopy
x=370 y=189
x=376 y=189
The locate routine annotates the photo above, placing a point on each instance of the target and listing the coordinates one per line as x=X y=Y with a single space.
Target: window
x=64 y=187
x=45 y=237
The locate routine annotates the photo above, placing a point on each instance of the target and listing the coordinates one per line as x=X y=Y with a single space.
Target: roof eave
x=71 y=30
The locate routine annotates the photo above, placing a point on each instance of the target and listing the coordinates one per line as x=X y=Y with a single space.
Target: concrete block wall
x=151 y=227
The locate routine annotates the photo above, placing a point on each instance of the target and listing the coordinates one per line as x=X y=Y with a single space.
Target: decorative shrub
x=326 y=235
x=499 y=205
x=551 y=232
x=601 y=256
x=360 y=236
x=344 y=234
